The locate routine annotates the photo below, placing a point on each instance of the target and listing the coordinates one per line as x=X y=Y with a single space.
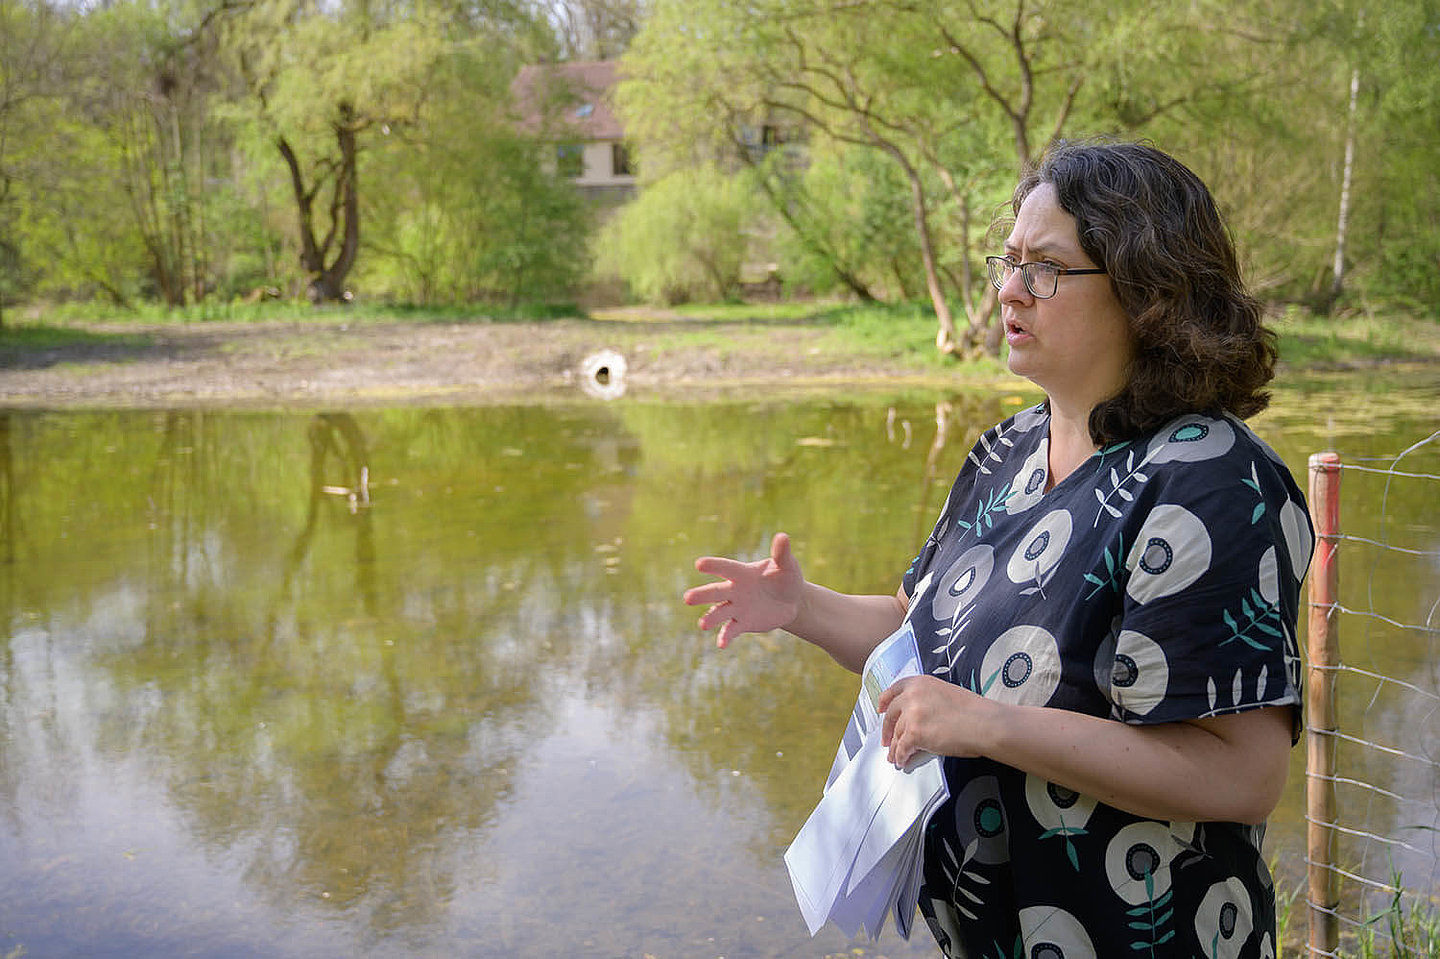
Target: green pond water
x=418 y=681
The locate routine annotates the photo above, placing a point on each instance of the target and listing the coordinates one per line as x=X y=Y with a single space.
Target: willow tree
x=321 y=79
x=959 y=95
x=32 y=40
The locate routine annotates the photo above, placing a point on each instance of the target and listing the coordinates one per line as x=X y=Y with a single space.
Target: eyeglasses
x=1041 y=279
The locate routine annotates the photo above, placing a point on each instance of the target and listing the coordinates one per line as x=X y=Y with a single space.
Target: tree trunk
x=945 y=340
x=806 y=236
x=1337 y=280
x=327 y=280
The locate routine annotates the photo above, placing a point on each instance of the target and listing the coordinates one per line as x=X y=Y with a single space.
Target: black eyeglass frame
x=994 y=265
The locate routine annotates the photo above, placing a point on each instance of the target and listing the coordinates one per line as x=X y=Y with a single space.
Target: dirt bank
x=244 y=364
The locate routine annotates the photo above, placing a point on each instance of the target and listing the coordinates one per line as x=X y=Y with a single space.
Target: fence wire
x=1385 y=749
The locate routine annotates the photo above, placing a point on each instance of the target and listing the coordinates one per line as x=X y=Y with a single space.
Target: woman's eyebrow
x=1039 y=251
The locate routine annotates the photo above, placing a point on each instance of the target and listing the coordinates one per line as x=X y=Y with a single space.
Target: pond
x=418 y=681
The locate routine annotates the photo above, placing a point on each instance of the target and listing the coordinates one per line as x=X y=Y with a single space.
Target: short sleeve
x=1211 y=599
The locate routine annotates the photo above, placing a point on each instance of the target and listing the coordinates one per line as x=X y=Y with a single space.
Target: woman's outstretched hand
x=750 y=597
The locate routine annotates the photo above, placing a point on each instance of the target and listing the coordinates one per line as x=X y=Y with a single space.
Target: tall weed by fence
x=1373 y=731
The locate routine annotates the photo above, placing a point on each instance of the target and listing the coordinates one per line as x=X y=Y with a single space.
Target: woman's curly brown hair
x=1200 y=344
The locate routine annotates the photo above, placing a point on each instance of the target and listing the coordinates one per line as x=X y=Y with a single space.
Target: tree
x=681 y=239
x=322 y=79
x=470 y=211
x=958 y=95
x=867 y=74
x=32 y=38
x=596 y=29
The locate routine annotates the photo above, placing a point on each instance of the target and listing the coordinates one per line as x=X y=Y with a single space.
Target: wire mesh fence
x=1373 y=705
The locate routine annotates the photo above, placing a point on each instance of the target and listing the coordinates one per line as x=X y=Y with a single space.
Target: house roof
x=575 y=94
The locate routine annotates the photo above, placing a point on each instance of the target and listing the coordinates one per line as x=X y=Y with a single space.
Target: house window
x=570 y=159
x=620 y=160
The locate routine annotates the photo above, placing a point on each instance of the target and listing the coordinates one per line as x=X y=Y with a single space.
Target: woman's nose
x=1014 y=288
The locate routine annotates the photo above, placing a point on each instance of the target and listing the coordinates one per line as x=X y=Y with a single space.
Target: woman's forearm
x=847 y=626
x=1229 y=768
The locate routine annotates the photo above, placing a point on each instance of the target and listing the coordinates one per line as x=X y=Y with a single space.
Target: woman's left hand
x=927 y=714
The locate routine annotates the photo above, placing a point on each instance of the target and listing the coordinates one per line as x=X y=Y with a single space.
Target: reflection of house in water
x=569 y=106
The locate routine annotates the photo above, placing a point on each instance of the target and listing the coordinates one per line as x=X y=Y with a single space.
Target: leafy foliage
x=681 y=239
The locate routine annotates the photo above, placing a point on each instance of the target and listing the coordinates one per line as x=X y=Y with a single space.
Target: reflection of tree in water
x=338 y=436
x=7 y=494
x=344 y=707
x=8 y=532
x=859 y=510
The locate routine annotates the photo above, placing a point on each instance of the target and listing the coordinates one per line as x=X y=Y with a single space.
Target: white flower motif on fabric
x=1171 y=551
x=1191 y=439
x=1224 y=921
x=963 y=581
x=1021 y=666
x=1056 y=807
x=1062 y=812
x=1052 y=933
x=1138 y=864
x=1299 y=544
x=1140 y=676
x=1029 y=481
x=983 y=837
x=1040 y=549
x=980 y=822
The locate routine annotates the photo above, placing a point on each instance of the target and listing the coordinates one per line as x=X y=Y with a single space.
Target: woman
x=1106 y=608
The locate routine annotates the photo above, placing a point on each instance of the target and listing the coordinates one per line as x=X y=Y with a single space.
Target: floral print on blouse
x=1158 y=582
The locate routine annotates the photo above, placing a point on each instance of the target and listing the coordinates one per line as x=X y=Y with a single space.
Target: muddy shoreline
x=289 y=363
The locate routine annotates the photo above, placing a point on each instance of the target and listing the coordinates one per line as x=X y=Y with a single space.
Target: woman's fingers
x=716 y=615
x=729 y=631
x=708 y=593
x=721 y=566
x=780 y=549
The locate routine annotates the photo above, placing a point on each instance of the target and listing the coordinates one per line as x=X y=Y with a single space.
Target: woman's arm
x=773 y=594
x=1228 y=768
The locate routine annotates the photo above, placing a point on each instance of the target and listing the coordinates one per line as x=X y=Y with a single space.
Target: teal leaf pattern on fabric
x=1150 y=917
x=1000 y=952
x=1066 y=832
x=1257 y=616
x=1114 y=570
x=993 y=502
x=1253 y=482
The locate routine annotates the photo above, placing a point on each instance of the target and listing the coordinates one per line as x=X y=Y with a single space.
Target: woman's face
x=1077 y=344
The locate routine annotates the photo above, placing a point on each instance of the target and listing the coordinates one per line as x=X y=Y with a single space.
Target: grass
x=296 y=311
x=1365 y=337
x=38 y=339
x=903 y=331
x=1395 y=932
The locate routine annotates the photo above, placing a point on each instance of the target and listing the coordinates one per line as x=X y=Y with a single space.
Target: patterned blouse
x=1158 y=582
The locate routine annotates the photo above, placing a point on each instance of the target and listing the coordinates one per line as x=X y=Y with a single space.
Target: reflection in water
x=337 y=436
x=418 y=681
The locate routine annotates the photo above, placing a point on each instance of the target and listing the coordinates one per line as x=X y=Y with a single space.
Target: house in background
x=568 y=105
